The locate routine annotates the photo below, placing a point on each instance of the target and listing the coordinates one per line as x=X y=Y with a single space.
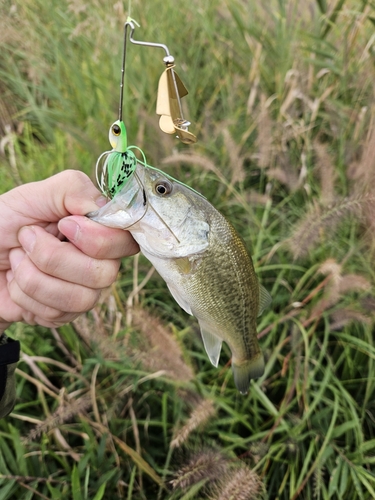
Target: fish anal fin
x=265 y=299
x=245 y=371
x=212 y=344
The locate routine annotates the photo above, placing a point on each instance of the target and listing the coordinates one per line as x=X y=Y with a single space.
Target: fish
x=202 y=259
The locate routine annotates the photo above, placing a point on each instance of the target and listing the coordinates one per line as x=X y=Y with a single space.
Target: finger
x=44 y=316
x=33 y=313
x=96 y=240
x=63 y=320
x=69 y=192
x=11 y=312
x=30 y=285
x=63 y=260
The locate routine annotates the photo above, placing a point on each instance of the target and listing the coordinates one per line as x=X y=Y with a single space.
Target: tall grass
x=123 y=403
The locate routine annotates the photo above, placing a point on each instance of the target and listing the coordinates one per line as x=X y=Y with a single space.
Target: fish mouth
x=126 y=208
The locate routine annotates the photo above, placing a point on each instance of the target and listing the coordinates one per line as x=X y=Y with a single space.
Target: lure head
x=117 y=136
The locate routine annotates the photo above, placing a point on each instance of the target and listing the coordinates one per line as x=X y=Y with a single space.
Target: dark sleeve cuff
x=9 y=352
x=9 y=356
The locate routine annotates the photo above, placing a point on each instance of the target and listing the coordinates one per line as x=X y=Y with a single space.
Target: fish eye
x=116 y=129
x=163 y=188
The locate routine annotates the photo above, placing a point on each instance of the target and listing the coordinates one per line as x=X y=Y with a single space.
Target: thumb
x=68 y=193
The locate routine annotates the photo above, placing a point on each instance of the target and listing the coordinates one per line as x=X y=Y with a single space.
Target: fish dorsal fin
x=212 y=344
x=265 y=299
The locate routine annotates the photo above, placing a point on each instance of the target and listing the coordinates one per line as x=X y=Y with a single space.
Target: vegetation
x=124 y=403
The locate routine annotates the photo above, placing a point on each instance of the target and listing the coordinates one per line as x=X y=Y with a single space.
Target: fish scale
x=235 y=310
x=201 y=258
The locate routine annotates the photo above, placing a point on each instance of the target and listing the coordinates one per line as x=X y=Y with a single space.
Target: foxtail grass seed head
x=160 y=351
x=264 y=134
x=207 y=464
x=200 y=416
x=326 y=171
x=242 y=484
x=320 y=223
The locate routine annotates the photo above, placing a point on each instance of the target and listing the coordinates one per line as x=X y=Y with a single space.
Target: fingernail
x=101 y=201
x=27 y=238
x=69 y=228
x=15 y=257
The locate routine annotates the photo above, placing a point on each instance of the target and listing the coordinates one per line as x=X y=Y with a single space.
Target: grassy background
x=124 y=402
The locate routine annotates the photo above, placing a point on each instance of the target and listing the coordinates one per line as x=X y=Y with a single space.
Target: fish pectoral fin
x=184 y=265
x=265 y=299
x=212 y=345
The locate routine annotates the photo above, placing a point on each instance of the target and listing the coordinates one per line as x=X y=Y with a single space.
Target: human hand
x=44 y=280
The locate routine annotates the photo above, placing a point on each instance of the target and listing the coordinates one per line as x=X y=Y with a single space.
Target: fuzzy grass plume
x=205 y=465
x=281 y=96
x=241 y=484
x=160 y=350
x=203 y=411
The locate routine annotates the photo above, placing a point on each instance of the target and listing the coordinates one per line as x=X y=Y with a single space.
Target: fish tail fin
x=244 y=372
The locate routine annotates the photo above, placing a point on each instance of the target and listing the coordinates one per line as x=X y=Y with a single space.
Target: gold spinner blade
x=168 y=104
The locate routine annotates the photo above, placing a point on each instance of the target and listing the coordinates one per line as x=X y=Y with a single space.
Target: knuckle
x=82 y=300
x=51 y=314
x=91 y=300
x=29 y=318
x=102 y=273
x=46 y=259
x=54 y=323
x=75 y=176
x=108 y=274
x=100 y=247
x=26 y=277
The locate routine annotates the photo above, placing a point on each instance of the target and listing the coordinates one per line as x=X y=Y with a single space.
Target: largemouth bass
x=201 y=258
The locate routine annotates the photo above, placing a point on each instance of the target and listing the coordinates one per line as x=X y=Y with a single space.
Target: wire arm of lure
x=146 y=44
x=170 y=90
x=130 y=23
